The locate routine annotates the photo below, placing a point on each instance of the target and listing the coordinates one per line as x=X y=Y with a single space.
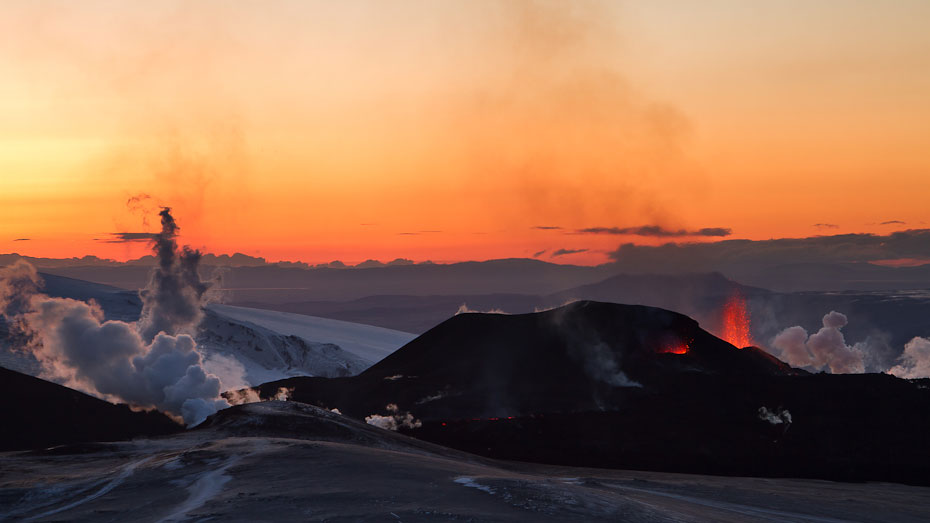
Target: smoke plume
x=915 y=362
x=394 y=420
x=18 y=282
x=173 y=300
x=775 y=417
x=825 y=349
x=599 y=360
x=153 y=363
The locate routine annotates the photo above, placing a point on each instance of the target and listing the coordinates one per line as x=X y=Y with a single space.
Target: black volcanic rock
x=37 y=414
x=585 y=356
x=547 y=387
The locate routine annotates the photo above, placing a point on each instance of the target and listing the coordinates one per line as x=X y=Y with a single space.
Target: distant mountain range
x=251 y=278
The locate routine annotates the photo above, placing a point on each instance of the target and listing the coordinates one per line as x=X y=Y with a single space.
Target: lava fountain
x=736 y=321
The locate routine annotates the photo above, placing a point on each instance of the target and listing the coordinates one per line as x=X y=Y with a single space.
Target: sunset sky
x=456 y=130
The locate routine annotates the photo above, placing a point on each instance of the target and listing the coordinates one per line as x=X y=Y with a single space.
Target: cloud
x=656 y=231
x=547 y=227
x=539 y=253
x=825 y=350
x=129 y=237
x=563 y=252
x=725 y=254
x=22 y=239
x=826 y=225
x=915 y=362
x=892 y=222
x=792 y=343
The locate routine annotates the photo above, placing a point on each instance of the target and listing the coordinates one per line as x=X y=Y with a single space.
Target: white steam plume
x=173 y=300
x=915 y=361
x=18 y=283
x=153 y=363
x=394 y=420
x=825 y=349
x=781 y=416
x=792 y=342
x=463 y=309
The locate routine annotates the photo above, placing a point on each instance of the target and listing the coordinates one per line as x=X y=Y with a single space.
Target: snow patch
x=471 y=483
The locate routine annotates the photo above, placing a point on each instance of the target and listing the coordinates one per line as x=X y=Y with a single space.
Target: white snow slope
x=369 y=343
x=243 y=346
x=273 y=345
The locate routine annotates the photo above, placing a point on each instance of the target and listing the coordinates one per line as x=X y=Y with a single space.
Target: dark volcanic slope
x=599 y=384
x=585 y=356
x=36 y=414
x=286 y=461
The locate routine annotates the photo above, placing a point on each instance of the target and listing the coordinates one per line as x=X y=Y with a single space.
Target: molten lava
x=681 y=348
x=736 y=322
x=675 y=347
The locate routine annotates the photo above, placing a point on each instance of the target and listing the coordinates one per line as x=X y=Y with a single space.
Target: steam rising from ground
x=173 y=300
x=394 y=420
x=825 y=349
x=463 y=309
x=775 y=417
x=153 y=363
x=915 y=362
x=600 y=361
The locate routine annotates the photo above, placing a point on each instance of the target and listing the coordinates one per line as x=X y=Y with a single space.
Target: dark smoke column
x=172 y=301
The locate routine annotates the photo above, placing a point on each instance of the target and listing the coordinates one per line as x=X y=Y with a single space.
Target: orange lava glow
x=680 y=348
x=736 y=322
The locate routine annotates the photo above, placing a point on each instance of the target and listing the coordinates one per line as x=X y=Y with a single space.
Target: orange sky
x=449 y=130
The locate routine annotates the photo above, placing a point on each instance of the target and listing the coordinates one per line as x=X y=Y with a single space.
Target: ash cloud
x=153 y=363
x=657 y=231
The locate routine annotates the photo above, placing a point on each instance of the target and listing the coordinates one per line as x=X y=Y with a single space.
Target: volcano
x=585 y=356
x=624 y=386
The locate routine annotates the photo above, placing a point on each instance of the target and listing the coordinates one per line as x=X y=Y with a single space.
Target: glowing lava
x=681 y=348
x=736 y=322
x=676 y=347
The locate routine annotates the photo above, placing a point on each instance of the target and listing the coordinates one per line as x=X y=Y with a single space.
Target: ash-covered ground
x=285 y=461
